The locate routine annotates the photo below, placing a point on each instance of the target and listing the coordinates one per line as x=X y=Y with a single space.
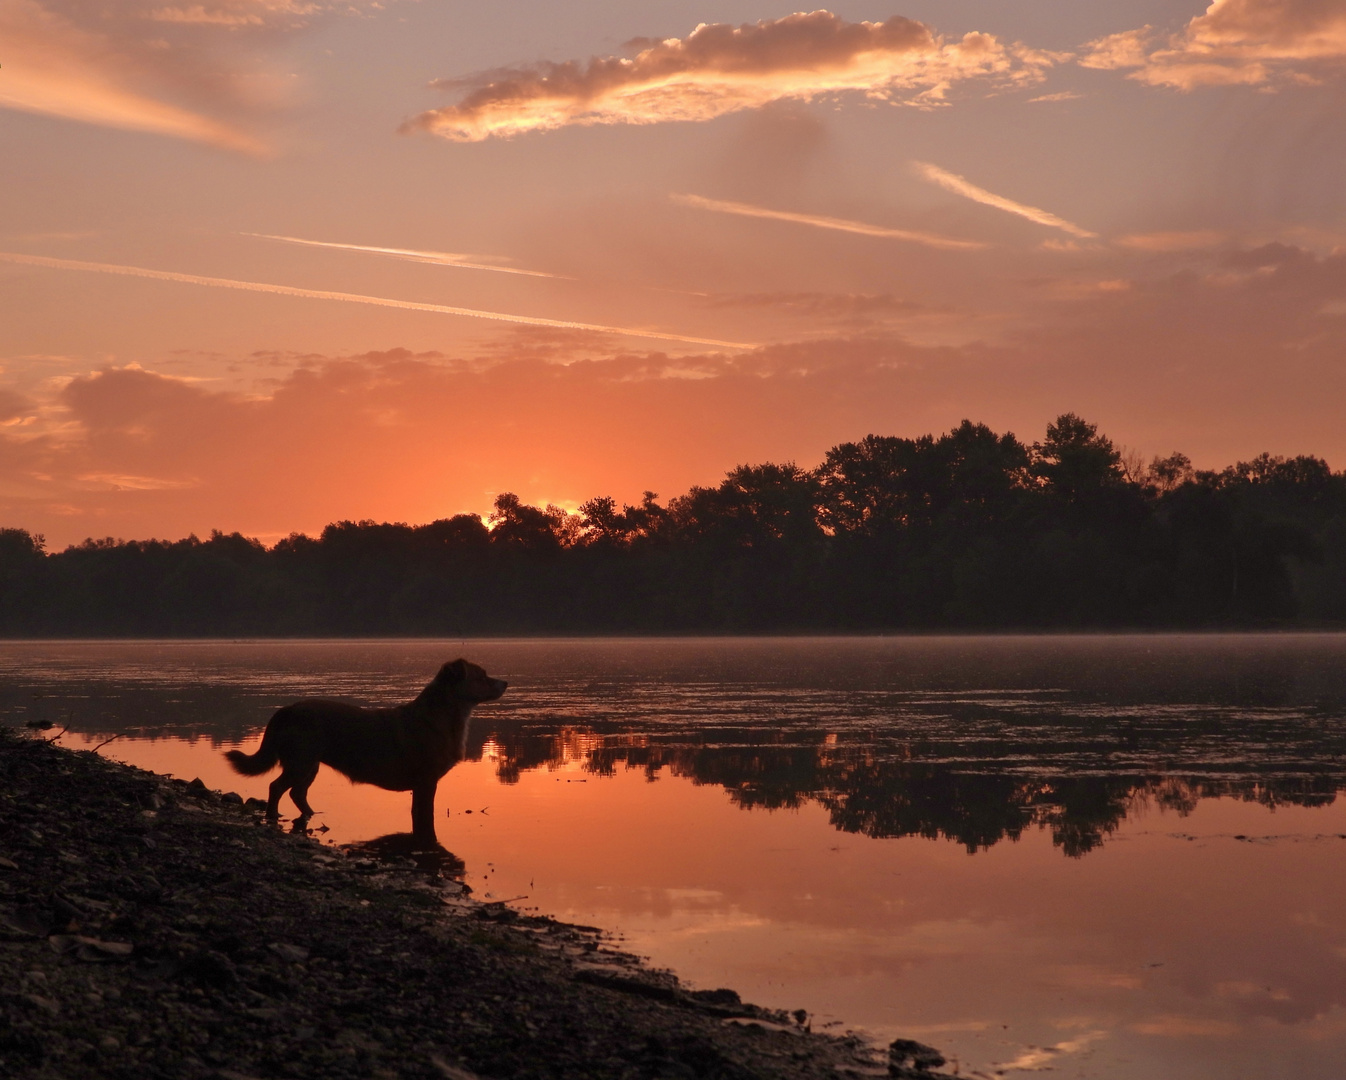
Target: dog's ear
x=453 y=672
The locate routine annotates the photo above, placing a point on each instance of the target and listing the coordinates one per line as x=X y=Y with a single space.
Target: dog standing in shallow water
x=405 y=748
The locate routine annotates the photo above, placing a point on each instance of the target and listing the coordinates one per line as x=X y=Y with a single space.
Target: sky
x=268 y=264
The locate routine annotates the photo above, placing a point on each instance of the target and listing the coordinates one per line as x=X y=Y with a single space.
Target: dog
x=403 y=748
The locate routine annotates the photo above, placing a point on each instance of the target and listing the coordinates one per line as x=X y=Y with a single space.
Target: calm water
x=1111 y=857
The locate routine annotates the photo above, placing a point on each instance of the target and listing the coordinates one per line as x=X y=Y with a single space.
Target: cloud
x=1248 y=42
x=720 y=69
x=960 y=186
x=121 y=482
x=836 y=311
x=54 y=67
x=1172 y=241
x=354 y=298
x=436 y=258
x=820 y=222
x=13 y=406
x=1185 y=1027
x=822 y=303
x=1221 y=356
x=174 y=69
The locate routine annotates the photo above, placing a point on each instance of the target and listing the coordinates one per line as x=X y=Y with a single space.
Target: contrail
x=959 y=186
x=355 y=298
x=437 y=258
x=840 y=224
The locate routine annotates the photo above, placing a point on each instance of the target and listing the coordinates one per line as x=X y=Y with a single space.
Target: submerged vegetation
x=971 y=529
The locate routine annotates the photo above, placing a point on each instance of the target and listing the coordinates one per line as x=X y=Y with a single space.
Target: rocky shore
x=152 y=928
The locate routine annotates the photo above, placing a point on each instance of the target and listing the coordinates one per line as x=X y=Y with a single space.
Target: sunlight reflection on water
x=1113 y=856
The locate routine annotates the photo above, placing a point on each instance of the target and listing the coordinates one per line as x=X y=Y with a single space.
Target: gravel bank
x=152 y=928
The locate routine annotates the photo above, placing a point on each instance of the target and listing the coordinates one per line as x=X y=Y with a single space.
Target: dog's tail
x=255 y=764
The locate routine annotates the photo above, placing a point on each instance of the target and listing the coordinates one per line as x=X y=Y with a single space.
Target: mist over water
x=971 y=738
x=993 y=843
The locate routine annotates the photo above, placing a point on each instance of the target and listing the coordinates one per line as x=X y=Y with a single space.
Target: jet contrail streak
x=355 y=298
x=436 y=258
x=840 y=224
x=960 y=186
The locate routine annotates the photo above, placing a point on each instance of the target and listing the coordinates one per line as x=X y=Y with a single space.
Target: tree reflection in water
x=894 y=794
x=972 y=739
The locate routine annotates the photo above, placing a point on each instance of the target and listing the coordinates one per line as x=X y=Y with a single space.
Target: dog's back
x=372 y=746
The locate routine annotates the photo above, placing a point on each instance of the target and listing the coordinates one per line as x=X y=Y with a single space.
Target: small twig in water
x=106 y=741
x=57 y=735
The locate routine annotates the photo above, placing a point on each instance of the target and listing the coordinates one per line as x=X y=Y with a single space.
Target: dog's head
x=468 y=682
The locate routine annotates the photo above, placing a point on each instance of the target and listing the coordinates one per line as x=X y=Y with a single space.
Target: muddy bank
x=152 y=928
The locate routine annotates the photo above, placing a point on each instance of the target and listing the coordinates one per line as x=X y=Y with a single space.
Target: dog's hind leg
x=279 y=786
x=299 y=792
x=423 y=811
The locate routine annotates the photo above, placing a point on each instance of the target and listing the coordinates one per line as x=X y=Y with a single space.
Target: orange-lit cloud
x=1172 y=241
x=820 y=222
x=828 y=305
x=163 y=66
x=1249 y=42
x=435 y=258
x=960 y=186
x=355 y=298
x=720 y=69
x=53 y=66
x=1221 y=363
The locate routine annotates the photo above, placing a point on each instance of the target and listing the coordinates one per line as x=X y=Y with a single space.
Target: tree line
x=967 y=530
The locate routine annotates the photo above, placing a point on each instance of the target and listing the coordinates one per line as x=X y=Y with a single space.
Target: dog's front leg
x=423 y=811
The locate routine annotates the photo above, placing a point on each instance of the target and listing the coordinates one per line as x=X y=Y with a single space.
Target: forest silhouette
x=966 y=530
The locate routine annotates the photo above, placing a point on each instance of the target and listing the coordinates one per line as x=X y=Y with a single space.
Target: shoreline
x=153 y=928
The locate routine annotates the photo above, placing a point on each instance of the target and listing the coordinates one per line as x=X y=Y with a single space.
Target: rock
x=450 y=1072
x=46 y=1004
x=294 y=954
x=764 y=1025
x=636 y=982
x=90 y=950
x=909 y=1058
x=723 y=997
x=208 y=968
x=8 y=864
x=27 y=922
x=232 y=798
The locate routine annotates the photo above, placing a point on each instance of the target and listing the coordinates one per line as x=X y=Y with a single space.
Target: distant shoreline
x=1324 y=630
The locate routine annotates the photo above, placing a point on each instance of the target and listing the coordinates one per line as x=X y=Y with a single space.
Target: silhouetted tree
x=971 y=528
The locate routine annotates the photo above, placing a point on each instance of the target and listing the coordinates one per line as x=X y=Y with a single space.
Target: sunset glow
x=574 y=253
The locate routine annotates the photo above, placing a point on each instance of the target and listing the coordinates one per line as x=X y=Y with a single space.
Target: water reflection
x=429 y=856
x=1206 y=947
x=883 y=791
x=975 y=740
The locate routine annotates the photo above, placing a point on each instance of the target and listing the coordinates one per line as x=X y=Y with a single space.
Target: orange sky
x=264 y=264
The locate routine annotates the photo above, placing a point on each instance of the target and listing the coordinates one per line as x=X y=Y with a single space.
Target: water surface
x=1108 y=856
